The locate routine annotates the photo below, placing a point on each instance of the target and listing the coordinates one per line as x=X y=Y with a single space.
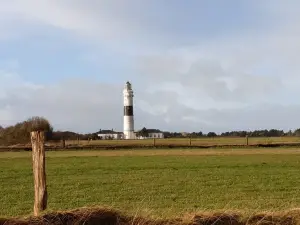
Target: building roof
x=108 y=132
x=154 y=131
x=151 y=131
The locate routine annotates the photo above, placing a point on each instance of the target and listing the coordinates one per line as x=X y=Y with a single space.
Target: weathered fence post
x=63 y=143
x=39 y=172
x=153 y=141
x=190 y=141
x=247 y=140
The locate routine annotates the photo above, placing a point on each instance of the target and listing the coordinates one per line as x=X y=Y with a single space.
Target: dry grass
x=186 y=141
x=213 y=142
x=99 y=216
x=160 y=152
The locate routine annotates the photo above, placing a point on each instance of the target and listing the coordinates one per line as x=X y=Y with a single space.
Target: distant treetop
x=20 y=132
x=38 y=124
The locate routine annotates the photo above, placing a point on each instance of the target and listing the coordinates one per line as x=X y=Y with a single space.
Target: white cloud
x=102 y=22
x=208 y=79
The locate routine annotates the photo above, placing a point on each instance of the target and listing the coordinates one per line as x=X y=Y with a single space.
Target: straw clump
x=101 y=216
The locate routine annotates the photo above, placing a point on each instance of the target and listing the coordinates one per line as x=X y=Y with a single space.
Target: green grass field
x=160 y=182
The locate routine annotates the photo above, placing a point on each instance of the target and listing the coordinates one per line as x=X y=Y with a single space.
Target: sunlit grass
x=163 y=183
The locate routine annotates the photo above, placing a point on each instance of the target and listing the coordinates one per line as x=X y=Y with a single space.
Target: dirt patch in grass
x=100 y=216
x=155 y=152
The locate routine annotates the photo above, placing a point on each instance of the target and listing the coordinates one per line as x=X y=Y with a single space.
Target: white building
x=149 y=133
x=156 y=135
x=110 y=134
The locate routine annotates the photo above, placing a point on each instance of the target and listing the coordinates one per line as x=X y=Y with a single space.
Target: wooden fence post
x=247 y=140
x=190 y=141
x=153 y=141
x=39 y=172
x=63 y=143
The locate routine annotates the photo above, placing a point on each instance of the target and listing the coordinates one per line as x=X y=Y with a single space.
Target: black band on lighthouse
x=128 y=110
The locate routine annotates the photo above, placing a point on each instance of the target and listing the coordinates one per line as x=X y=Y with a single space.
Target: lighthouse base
x=129 y=135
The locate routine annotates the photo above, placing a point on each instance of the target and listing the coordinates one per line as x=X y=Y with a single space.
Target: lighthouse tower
x=128 y=112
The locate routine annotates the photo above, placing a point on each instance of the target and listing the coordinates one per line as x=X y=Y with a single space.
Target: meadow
x=156 y=182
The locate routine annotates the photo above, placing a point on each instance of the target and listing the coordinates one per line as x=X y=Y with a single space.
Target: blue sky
x=194 y=65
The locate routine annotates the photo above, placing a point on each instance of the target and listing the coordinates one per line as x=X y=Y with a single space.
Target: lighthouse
x=128 y=112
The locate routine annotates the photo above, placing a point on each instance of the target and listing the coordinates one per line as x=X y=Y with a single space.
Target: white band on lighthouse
x=128 y=112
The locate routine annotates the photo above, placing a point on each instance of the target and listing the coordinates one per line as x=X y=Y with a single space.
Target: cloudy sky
x=195 y=65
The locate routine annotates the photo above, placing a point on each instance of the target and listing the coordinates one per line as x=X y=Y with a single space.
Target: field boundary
x=149 y=146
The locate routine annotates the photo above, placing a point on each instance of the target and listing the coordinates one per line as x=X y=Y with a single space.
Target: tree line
x=20 y=133
x=255 y=133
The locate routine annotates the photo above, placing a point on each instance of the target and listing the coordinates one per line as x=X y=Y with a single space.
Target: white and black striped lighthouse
x=128 y=112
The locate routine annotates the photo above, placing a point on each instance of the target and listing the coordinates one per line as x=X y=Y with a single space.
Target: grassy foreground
x=161 y=183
